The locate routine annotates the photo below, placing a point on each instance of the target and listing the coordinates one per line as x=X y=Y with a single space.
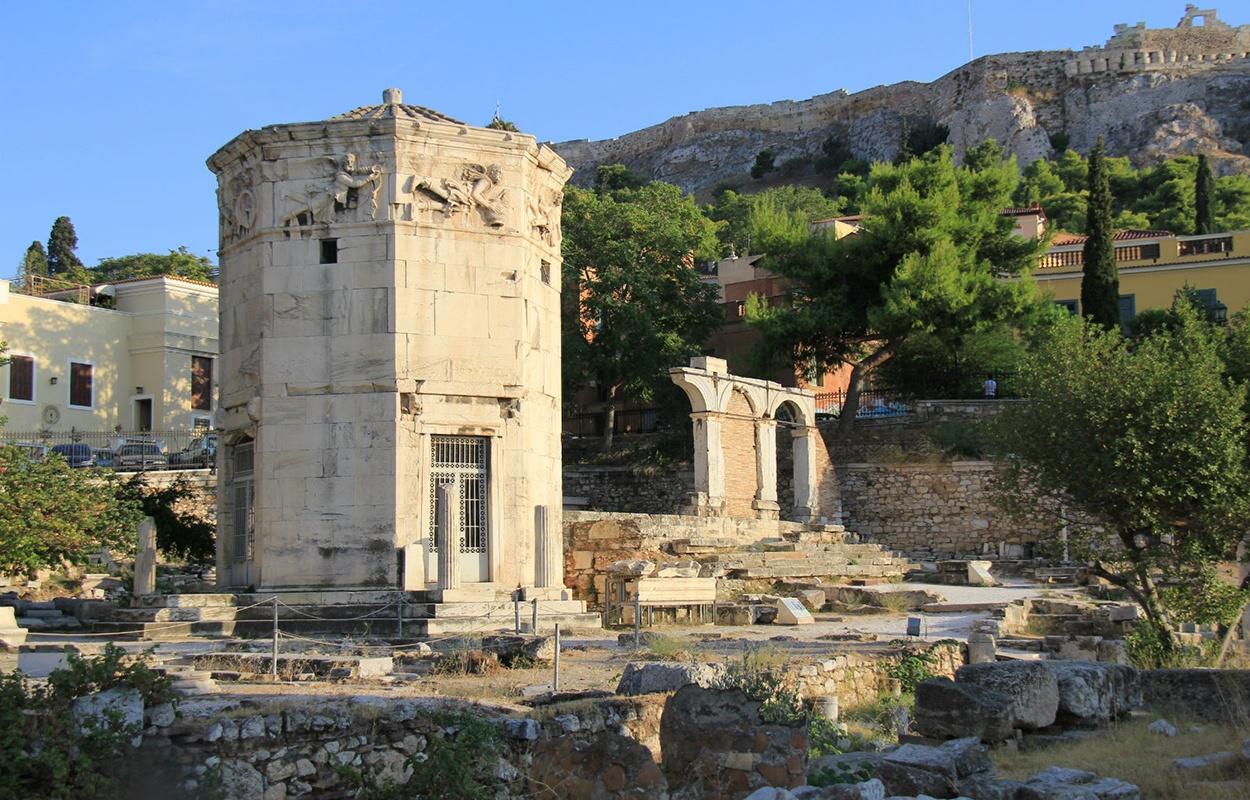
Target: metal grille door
x=463 y=461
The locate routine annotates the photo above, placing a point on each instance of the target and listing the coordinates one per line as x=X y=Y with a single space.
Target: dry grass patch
x=1131 y=753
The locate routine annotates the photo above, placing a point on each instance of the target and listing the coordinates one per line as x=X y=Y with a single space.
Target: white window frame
x=34 y=380
x=69 y=383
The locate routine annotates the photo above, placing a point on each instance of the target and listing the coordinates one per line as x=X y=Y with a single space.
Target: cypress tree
x=1100 y=284
x=1204 y=188
x=62 y=242
x=35 y=262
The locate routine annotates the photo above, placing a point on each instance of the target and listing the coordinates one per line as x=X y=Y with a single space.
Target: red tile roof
x=1064 y=239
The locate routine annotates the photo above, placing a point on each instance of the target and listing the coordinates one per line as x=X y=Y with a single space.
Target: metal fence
x=890 y=403
x=872 y=403
x=123 y=451
x=639 y=420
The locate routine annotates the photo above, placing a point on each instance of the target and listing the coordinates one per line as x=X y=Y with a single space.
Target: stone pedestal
x=11 y=636
x=145 y=559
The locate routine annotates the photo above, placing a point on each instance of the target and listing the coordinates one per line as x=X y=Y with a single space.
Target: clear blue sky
x=110 y=108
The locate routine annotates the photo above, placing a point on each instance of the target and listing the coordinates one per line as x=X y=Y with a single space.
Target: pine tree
x=62 y=242
x=1100 y=285
x=1204 y=188
x=35 y=262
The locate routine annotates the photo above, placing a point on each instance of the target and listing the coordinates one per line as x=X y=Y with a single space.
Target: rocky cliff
x=1023 y=100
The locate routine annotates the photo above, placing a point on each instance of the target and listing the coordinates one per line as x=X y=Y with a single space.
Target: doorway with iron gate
x=463 y=463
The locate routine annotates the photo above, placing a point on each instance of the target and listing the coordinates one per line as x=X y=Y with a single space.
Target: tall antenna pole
x=969 y=30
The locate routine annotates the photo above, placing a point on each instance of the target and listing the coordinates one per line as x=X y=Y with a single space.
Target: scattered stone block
x=686 y=568
x=650 y=677
x=981 y=649
x=791 y=612
x=1033 y=689
x=979 y=574
x=915 y=769
x=1092 y=694
x=1163 y=728
x=12 y=635
x=813 y=599
x=1193 y=763
x=867 y=790
x=541 y=649
x=771 y=793
x=945 y=709
x=1061 y=783
x=96 y=711
x=637 y=568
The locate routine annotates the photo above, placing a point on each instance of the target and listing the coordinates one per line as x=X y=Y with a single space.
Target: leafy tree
x=764 y=164
x=180 y=262
x=1204 y=189
x=62 y=242
x=179 y=532
x=928 y=260
x=51 y=512
x=34 y=262
x=1100 y=281
x=610 y=177
x=772 y=219
x=500 y=124
x=1139 y=450
x=635 y=305
x=920 y=137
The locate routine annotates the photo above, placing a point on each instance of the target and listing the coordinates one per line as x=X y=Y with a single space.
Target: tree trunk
x=859 y=371
x=1226 y=637
x=850 y=405
x=609 y=417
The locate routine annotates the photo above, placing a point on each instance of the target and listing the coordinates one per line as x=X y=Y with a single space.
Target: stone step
x=569 y=623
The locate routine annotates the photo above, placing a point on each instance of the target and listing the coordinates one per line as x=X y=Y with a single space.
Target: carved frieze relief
x=545 y=206
x=474 y=194
x=349 y=193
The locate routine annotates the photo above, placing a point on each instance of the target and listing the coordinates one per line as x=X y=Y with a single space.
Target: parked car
x=201 y=453
x=33 y=450
x=78 y=454
x=103 y=456
x=139 y=456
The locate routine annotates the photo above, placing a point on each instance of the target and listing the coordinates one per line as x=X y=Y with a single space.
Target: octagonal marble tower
x=390 y=323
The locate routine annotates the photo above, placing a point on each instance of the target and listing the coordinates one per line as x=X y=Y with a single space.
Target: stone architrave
x=145 y=559
x=710 y=387
x=11 y=636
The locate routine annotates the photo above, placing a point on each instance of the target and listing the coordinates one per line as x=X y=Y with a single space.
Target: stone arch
x=736 y=423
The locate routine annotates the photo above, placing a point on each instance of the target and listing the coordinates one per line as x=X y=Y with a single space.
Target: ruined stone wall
x=594 y=540
x=641 y=490
x=944 y=508
x=860 y=678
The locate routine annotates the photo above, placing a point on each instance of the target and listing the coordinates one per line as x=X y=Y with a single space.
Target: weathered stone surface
x=1061 y=783
x=95 y=710
x=1162 y=727
x=945 y=709
x=919 y=769
x=685 y=568
x=637 y=568
x=714 y=745
x=1193 y=763
x=867 y=790
x=11 y=636
x=649 y=677
x=525 y=728
x=770 y=793
x=1091 y=693
x=1033 y=689
x=605 y=767
x=241 y=779
x=508 y=648
x=1210 y=694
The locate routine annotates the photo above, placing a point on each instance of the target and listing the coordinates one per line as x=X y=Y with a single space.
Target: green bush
x=758 y=676
x=910 y=670
x=48 y=755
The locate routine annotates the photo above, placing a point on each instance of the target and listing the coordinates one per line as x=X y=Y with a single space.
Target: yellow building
x=145 y=364
x=1153 y=265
